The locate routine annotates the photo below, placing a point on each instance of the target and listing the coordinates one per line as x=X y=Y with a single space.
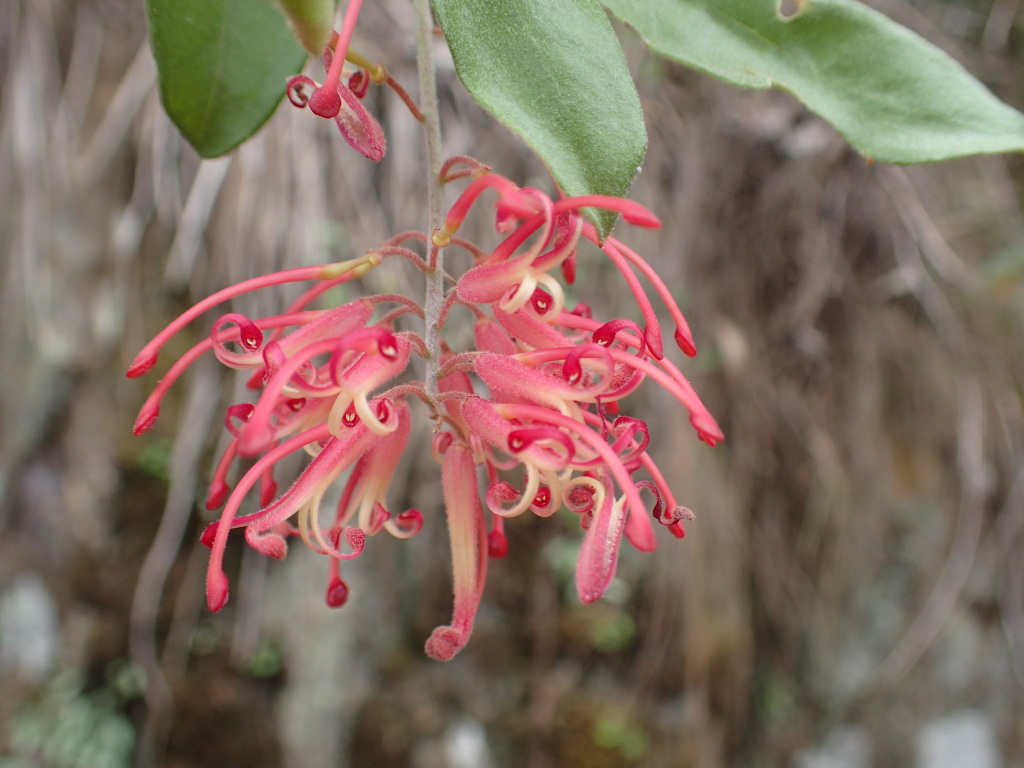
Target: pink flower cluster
x=527 y=420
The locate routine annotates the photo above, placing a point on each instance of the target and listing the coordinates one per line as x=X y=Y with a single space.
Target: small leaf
x=312 y=21
x=223 y=66
x=892 y=95
x=554 y=73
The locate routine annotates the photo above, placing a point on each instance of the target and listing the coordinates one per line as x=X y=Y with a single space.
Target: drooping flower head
x=530 y=418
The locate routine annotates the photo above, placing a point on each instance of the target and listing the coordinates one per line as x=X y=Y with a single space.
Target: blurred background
x=851 y=593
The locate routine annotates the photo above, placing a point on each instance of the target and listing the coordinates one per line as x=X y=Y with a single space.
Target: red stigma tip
x=140 y=366
x=337 y=593
x=685 y=343
x=268 y=492
x=707 y=428
x=497 y=545
x=216 y=590
x=146 y=419
x=218 y=492
x=569 y=269
x=639 y=216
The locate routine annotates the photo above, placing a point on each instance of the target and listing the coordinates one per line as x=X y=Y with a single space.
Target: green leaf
x=554 y=73
x=223 y=66
x=892 y=95
x=312 y=21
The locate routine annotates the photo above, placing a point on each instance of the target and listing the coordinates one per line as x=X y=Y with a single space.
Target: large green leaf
x=553 y=72
x=222 y=65
x=892 y=95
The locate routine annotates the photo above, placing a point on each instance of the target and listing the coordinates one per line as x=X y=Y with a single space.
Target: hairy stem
x=434 y=299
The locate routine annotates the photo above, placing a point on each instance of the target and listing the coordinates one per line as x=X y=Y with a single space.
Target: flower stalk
x=434 y=295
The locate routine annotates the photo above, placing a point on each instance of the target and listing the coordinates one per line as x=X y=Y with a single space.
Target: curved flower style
x=546 y=404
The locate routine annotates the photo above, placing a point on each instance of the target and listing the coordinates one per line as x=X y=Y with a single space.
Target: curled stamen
x=625 y=430
x=500 y=494
x=520 y=440
x=544 y=502
x=440 y=444
x=355 y=537
x=248 y=334
x=238 y=416
x=296 y=90
x=377 y=419
x=594 y=441
x=607 y=333
x=572 y=368
x=582 y=310
x=659 y=505
x=359 y=83
x=373 y=340
x=582 y=495
x=405 y=524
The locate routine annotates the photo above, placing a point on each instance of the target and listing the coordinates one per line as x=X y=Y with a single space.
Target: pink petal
x=468 y=538
x=360 y=129
x=599 y=555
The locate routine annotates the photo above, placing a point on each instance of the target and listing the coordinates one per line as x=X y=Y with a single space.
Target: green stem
x=434 y=299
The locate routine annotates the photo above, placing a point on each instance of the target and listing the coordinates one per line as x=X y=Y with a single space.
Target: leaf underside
x=895 y=97
x=554 y=73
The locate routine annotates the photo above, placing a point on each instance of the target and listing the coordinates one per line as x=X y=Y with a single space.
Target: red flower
x=335 y=383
